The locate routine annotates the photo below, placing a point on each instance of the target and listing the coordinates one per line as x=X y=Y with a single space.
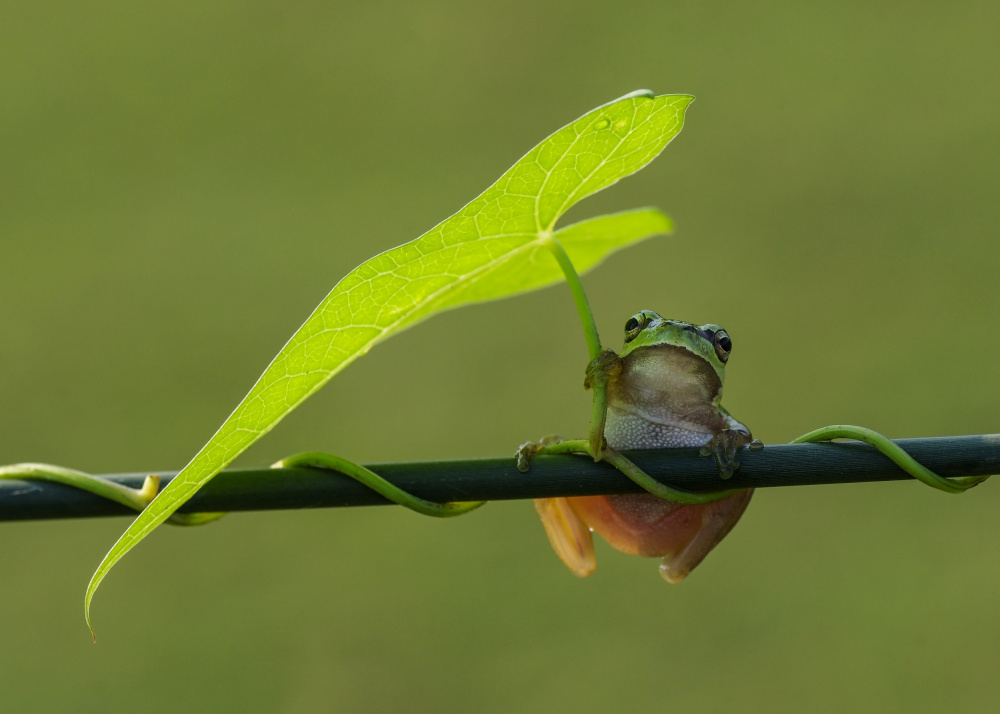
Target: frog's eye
x=634 y=326
x=723 y=345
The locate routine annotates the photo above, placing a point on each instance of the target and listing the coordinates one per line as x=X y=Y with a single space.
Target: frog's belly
x=641 y=523
x=627 y=430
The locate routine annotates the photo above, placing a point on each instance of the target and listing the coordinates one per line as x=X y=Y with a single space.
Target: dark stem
x=498 y=479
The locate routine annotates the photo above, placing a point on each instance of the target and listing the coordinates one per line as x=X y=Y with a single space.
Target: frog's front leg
x=725 y=444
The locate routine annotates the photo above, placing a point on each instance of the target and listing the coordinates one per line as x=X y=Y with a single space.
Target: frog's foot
x=530 y=448
x=605 y=366
x=724 y=445
x=378 y=484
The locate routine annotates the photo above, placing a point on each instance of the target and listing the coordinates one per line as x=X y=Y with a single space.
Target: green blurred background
x=181 y=183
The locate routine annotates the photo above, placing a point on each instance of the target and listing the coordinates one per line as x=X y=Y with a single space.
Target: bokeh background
x=181 y=183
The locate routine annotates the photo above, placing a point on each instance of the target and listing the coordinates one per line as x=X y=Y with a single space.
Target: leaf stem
x=579 y=296
x=599 y=408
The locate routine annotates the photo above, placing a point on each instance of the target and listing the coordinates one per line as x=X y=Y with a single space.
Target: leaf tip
x=90 y=626
x=95 y=581
x=666 y=223
x=681 y=101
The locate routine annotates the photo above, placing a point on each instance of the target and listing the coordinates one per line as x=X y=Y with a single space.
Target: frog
x=664 y=390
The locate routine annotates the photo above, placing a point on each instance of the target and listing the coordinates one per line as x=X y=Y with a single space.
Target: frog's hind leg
x=642 y=524
x=717 y=519
x=570 y=537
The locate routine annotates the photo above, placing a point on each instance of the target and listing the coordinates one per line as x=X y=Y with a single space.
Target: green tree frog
x=663 y=391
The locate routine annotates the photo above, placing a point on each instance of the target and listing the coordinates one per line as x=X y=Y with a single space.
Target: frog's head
x=709 y=342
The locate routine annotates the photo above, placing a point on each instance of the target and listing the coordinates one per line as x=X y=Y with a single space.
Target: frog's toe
x=523 y=455
x=728 y=463
x=528 y=449
x=724 y=446
x=606 y=365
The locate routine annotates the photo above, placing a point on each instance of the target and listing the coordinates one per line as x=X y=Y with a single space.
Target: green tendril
x=135 y=498
x=894 y=452
x=378 y=484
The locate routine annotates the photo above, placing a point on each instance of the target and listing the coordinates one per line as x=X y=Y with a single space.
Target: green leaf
x=494 y=247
